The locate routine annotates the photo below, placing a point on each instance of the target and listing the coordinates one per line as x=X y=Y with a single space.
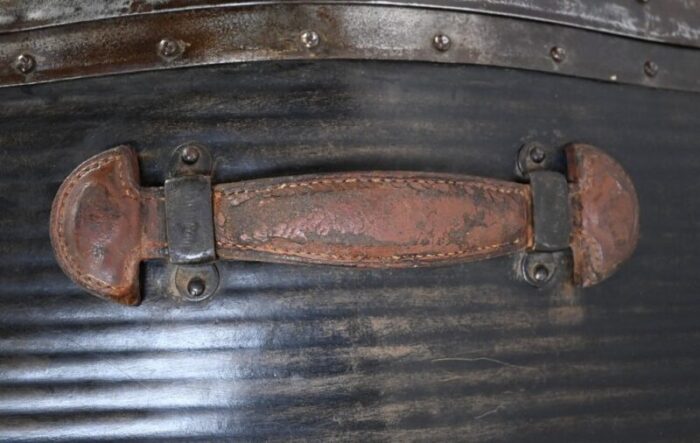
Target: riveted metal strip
x=668 y=21
x=294 y=31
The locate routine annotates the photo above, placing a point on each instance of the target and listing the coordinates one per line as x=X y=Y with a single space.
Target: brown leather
x=379 y=219
x=103 y=224
x=605 y=214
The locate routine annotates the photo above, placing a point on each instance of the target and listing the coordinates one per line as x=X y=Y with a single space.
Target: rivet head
x=310 y=39
x=537 y=154
x=441 y=42
x=169 y=48
x=558 y=54
x=189 y=155
x=196 y=287
x=540 y=273
x=651 y=68
x=24 y=63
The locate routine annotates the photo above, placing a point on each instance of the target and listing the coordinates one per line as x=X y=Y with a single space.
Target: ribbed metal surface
x=455 y=353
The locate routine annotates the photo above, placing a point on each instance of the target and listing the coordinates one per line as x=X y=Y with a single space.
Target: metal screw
x=651 y=68
x=169 y=48
x=310 y=39
x=537 y=154
x=441 y=42
x=643 y=1
x=196 y=287
x=24 y=63
x=189 y=155
x=558 y=54
x=540 y=273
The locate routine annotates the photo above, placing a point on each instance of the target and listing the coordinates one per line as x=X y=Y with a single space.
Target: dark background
x=453 y=353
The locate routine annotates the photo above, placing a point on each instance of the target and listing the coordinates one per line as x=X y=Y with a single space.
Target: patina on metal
x=671 y=21
x=392 y=219
x=230 y=34
x=550 y=211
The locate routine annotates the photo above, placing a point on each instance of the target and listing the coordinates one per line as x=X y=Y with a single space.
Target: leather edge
x=129 y=293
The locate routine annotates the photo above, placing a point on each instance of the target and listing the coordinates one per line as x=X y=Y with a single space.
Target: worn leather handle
x=103 y=224
x=378 y=219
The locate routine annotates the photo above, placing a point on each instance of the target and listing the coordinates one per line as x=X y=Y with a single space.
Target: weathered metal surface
x=551 y=211
x=276 y=32
x=671 y=21
x=322 y=353
x=188 y=219
x=605 y=232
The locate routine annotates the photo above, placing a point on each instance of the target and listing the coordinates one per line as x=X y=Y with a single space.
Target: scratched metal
x=316 y=353
x=272 y=32
x=671 y=21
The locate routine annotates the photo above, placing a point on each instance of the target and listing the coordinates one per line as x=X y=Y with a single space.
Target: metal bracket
x=543 y=167
x=189 y=224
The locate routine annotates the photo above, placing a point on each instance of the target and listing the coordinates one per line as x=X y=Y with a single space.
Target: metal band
x=284 y=32
x=669 y=21
x=550 y=211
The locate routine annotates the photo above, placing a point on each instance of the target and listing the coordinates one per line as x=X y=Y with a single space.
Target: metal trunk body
x=462 y=352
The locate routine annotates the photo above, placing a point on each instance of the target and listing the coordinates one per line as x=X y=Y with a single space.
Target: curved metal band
x=670 y=21
x=274 y=32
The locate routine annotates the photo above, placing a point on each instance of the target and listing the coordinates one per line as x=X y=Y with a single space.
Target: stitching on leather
x=89 y=281
x=314 y=183
x=398 y=257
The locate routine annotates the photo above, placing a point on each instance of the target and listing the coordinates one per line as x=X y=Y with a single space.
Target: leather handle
x=378 y=219
x=103 y=224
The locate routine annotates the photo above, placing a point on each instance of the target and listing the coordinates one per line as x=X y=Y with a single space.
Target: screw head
x=169 y=48
x=310 y=39
x=189 y=155
x=651 y=68
x=537 y=154
x=196 y=287
x=24 y=63
x=441 y=42
x=558 y=54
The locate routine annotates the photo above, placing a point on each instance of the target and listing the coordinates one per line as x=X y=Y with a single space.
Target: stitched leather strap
x=380 y=219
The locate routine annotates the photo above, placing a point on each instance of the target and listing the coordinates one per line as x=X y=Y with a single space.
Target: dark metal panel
x=284 y=32
x=316 y=353
x=671 y=21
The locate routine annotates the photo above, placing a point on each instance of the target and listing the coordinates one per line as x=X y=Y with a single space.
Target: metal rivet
x=537 y=154
x=558 y=54
x=441 y=42
x=540 y=273
x=539 y=268
x=190 y=155
x=196 y=287
x=169 y=48
x=310 y=39
x=24 y=63
x=651 y=68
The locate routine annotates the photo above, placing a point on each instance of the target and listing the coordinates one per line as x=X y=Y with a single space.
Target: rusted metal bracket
x=103 y=223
